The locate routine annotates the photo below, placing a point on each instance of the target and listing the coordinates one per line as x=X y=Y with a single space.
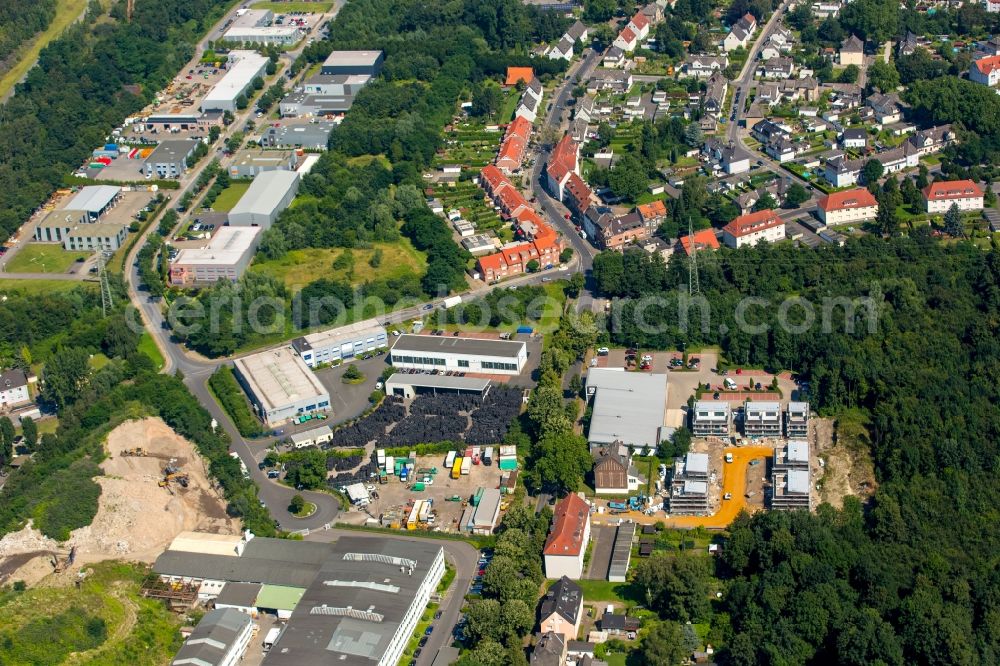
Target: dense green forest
x=911 y=577
x=21 y=21
x=87 y=82
x=62 y=331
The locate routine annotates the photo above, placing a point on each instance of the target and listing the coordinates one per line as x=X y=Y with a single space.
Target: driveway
x=603 y=538
x=459 y=554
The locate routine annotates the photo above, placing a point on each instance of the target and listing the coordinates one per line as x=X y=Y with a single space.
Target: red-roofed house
x=764 y=225
x=626 y=40
x=963 y=193
x=511 y=202
x=849 y=206
x=578 y=194
x=703 y=240
x=563 y=161
x=567 y=542
x=515 y=140
x=986 y=71
x=518 y=74
x=652 y=213
x=492 y=180
x=639 y=25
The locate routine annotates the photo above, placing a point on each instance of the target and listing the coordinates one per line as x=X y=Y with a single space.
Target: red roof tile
x=856 y=198
x=652 y=210
x=704 y=239
x=568 y=526
x=753 y=222
x=493 y=179
x=516 y=74
x=563 y=158
x=952 y=189
x=640 y=21
x=627 y=34
x=987 y=65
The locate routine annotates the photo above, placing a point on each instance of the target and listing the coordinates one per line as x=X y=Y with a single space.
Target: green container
x=418 y=487
x=508 y=465
x=478 y=496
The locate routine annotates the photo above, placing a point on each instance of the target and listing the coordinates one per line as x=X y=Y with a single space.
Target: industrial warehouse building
x=244 y=67
x=353 y=62
x=169 y=159
x=355 y=602
x=628 y=407
x=220 y=639
x=285 y=35
x=270 y=193
x=226 y=257
x=432 y=352
x=314 y=135
x=280 y=385
x=75 y=230
x=249 y=163
x=410 y=386
x=95 y=200
x=342 y=343
x=55 y=225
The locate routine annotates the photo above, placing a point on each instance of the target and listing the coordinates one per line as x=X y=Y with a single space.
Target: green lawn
x=602 y=590
x=44 y=258
x=285 y=7
x=300 y=267
x=67 y=11
x=148 y=347
x=228 y=197
x=42 y=286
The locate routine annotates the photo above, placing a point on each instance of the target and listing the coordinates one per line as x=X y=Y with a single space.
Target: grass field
x=66 y=12
x=148 y=347
x=300 y=267
x=43 y=258
x=285 y=7
x=103 y=621
x=229 y=196
x=41 y=286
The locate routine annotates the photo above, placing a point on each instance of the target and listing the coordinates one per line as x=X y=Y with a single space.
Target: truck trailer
x=456 y=468
x=466 y=466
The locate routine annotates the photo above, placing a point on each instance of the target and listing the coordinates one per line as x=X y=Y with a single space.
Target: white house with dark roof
x=13 y=389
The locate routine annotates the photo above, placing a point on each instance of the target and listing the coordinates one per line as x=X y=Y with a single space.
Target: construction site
x=154 y=487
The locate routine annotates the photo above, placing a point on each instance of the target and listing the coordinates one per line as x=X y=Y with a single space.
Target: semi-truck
x=488 y=456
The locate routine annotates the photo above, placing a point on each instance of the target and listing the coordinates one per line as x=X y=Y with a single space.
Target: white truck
x=271 y=638
x=450 y=302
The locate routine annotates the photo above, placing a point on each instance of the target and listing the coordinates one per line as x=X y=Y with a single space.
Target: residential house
x=611 y=80
x=747 y=201
x=626 y=40
x=768 y=93
x=908 y=45
x=768 y=130
x=652 y=214
x=715 y=94
x=516 y=75
x=618 y=624
x=727 y=156
x=781 y=149
x=739 y=35
x=578 y=195
x=614 y=473
x=515 y=142
x=854 y=138
x=596 y=218
x=563 y=161
x=886 y=108
x=550 y=650
x=577 y=32
x=901 y=157
x=700 y=241
x=528 y=107
x=13 y=389
x=639 y=24
x=585 y=110
x=563 y=50
x=932 y=140
x=711 y=418
x=614 y=57
x=805 y=88
x=653 y=12
x=777 y=68
x=566 y=544
x=852 y=52
x=942 y=195
x=778 y=43
x=562 y=609
x=762 y=418
x=848 y=207
x=797 y=422
x=702 y=66
x=842 y=172
x=657 y=245
x=764 y=225
x=986 y=71
x=754 y=114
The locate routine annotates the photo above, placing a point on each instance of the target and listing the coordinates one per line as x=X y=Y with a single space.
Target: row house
x=626 y=40
x=739 y=35
x=578 y=195
x=563 y=161
x=614 y=81
x=515 y=142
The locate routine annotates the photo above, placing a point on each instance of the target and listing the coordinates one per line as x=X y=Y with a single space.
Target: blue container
x=525 y=329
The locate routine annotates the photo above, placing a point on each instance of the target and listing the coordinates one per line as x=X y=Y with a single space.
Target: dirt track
x=136 y=518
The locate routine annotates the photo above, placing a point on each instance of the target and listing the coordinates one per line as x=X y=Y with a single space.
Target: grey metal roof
x=451 y=345
x=264 y=560
x=321 y=631
x=212 y=639
x=622 y=551
x=352 y=58
x=765 y=406
x=171 y=150
x=695 y=488
x=440 y=381
x=311 y=434
x=628 y=406
x=798 y=481
x=239 y=594
x=486 y=512
x=564 y=598
x=94 y=198
x=12 y=379
x=696 y=462
x=265 y=192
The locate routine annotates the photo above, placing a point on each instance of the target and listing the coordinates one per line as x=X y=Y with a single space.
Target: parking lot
x=347 y=401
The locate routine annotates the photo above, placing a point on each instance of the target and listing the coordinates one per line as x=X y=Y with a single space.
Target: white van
x=729 y=384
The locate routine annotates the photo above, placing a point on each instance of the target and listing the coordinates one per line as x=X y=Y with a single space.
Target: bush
x=227 y=390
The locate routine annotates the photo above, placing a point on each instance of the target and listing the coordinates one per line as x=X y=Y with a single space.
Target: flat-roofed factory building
x=280 y=385
x=432 y=352
x=410 y=386
x=628 y=407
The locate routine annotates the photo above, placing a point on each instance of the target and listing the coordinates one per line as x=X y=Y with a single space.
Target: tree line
x=20 y=22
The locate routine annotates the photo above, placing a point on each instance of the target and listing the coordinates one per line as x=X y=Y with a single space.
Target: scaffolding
x=173 y=592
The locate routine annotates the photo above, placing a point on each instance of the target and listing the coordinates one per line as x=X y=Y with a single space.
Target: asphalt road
x=459 y=554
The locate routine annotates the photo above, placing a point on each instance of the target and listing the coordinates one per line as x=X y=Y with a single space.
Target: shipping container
x=488 y=456
x=418 y=486
x=389 y=465
x=449 y=460
x=466 y=466
x=96 y=165
x=111 y=146
x=456 y=468
x=478 y=496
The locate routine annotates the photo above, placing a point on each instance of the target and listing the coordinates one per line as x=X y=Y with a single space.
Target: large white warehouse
x=244 y=67
x=280 y=385
x=431 y=352
x=270 y=193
